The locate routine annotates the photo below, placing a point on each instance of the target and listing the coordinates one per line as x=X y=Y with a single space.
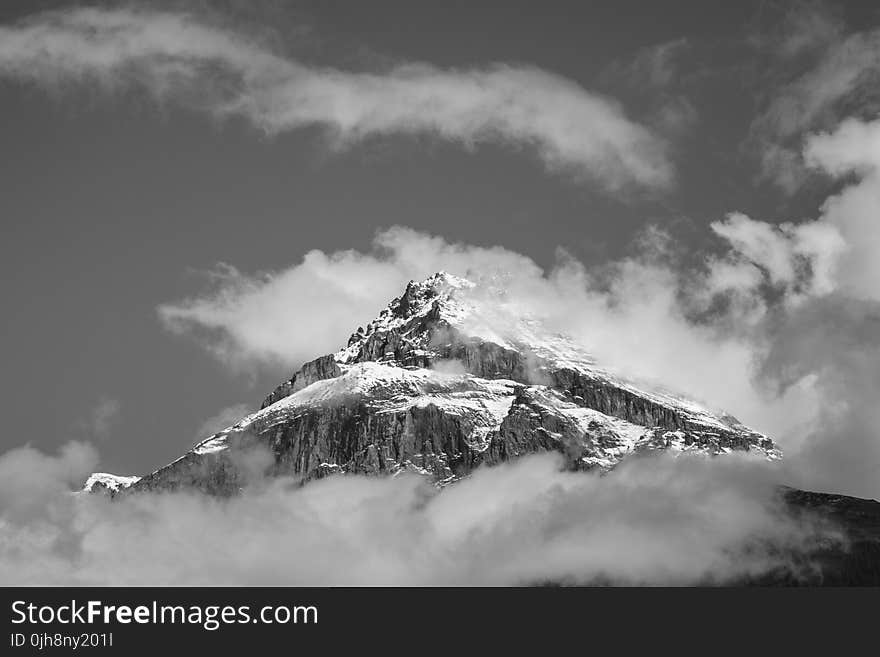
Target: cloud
x=657 y=66
x=818 y=337
x=831 y=75
x=222 y=419
x=802 y=258
x=827 y=335
x=806 y=27
x=31 y=481
x=816 y=96
x=852 y=151
x=658 y=520
x=659 y=77
x=105 y=414
x=204 y=65
x=837 y=339
x=834 y=337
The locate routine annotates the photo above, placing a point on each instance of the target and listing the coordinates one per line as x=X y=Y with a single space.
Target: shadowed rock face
x=855 y=563
x=321 y=368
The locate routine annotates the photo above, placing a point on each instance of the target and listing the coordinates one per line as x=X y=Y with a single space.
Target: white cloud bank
x=182 y=58
x=656 y=521
x=853 y=148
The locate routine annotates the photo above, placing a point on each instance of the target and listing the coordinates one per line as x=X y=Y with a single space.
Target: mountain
x=452 y=375
x=446 y=378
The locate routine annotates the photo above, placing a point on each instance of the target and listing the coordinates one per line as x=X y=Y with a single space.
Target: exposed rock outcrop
x=321 y=368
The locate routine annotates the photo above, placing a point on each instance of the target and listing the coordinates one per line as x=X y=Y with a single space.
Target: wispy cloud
x=105 y=414
x=822 y=75
x=222 y=419
x=659 y=75
x=187 y=59
x=806 y=27
x=656 y=66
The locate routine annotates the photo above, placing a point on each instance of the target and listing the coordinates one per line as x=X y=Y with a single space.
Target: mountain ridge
x=447 y=378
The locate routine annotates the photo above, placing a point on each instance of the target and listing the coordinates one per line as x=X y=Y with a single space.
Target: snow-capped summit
x=447 y=378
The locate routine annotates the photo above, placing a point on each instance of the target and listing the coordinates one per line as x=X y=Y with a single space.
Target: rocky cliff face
x=443 y=380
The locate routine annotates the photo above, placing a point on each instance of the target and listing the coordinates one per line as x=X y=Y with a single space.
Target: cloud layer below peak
x=659 y=520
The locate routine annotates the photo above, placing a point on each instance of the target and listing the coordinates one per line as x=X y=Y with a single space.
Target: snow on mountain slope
x=448 y=377
x=106 y=481
x=386 y=389
x=450 y=301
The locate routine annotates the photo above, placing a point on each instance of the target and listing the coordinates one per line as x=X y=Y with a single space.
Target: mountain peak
x=441 y=286
x=451 y=375
x=443 y=279
x=447 y=321
x=440 y=297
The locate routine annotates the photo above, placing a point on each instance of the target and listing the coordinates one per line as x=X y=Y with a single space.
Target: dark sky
x=112 y=203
